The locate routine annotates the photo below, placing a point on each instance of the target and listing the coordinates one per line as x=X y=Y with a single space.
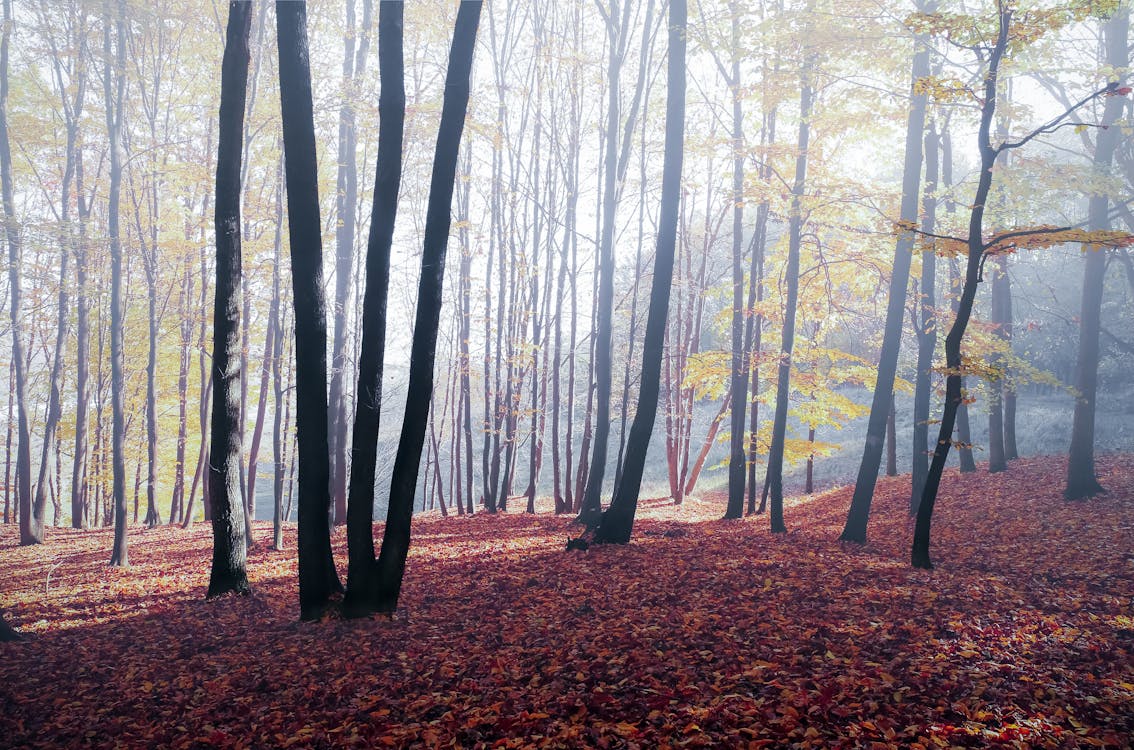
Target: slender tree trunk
x=740 y=360
x=892 y=438
x=791 y=278
x=1081 y=479
x=997 y=461
x=926 y=327
x=317 y=576
x=706 y=446
x=919 y=552
x=618 y=521
x=114 y=87
x=362 y=594
x=753 y=345
x=31 y=525
x=354 y=65
x=964 y=436
x=859 y=513
x=79 y=487
x=228 y=569
x=396 y=536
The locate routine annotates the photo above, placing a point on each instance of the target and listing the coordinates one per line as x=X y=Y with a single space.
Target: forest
x=570 y=374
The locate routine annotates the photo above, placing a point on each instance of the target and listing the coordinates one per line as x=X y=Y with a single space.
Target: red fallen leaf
x=681 y=632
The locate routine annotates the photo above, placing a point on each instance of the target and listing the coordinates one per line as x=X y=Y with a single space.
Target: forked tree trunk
x=396 y=536
x=362 y=594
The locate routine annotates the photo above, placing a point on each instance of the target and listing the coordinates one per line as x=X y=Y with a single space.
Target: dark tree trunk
x=740 y=360
x=79 y=515
x=926 y=327
x=31 y=526
x=618 y=521
x=964 y=437
x=396 y=536
x=317 y=576
x=362 y=574
x=997 y=461
x=753 y=336
x=791 y=279
x=228 y=570
x=114 y=87
x=1081 y=479
x=346 y=204
x=892 y=438
x=919 y=552
x=859 y=513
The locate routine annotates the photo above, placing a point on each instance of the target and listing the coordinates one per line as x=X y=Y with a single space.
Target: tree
x=614 y=169
x=114 y=92
x=346 y=206
x=859 y=513
x=978 y=248
x=926 y=327
x=317 y=576
x=31 y=531
x=791 y=279
x=396 y=536
x=228 y=569
x=362 y=579
x=1081 y=479
x=618 y=520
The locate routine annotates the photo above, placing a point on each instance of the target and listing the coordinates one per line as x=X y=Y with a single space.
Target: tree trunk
x=997 y=461
x=740 y=360
x=396 y=536
x=919 y=552
x=892 y=438
x=228 y=569
x=618 y=521
x=859 y=513
x=31 y=525
x=926 y=327
x=346 y=206
x=317 y=576
x=791 y=278
x=362 y=594
x=1081 y=479
x=114 y=87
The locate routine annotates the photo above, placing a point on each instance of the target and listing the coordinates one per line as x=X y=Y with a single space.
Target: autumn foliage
x=700 y=633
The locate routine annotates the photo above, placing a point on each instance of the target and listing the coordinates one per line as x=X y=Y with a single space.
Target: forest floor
x=701 y=632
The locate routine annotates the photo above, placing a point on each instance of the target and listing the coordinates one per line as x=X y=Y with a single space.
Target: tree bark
x=228 y=569
x=317 y=576
x=926 y=327
x=31 y=526
x=1081 y=479
x=919 y=552
x=114 y=88
x=791 y=278
x=859 y=513
x=362 y=594
x=618 y=521
x=396 y=536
